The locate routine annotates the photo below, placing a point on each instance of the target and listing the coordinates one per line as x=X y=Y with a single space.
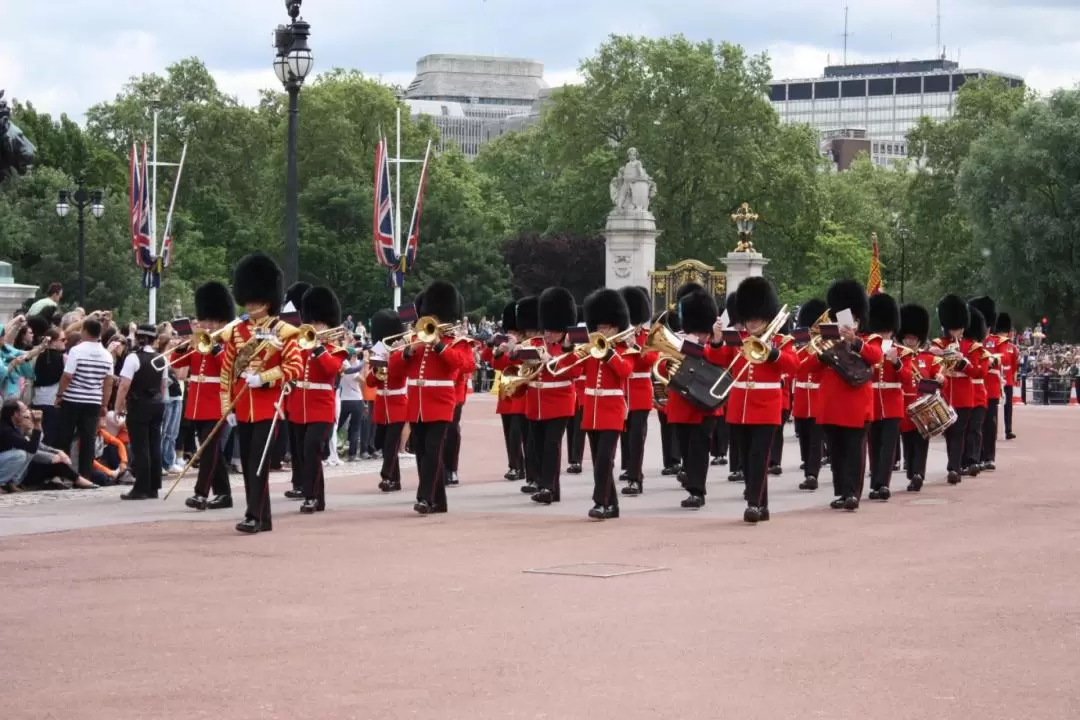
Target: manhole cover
x=929 y=501
x=597 y=570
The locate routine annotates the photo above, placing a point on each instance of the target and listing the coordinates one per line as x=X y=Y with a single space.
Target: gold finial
x=744 y=219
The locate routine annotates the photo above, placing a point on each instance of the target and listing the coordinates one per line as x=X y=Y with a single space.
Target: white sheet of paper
x=886 y=346
x=844 y=318
x=724 y=323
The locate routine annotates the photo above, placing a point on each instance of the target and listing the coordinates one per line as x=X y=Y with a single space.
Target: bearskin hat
x=729 y=308
x=986 y=305
x=509 y=317
x=606 y=307
x=952 y=312
x=755 y=299
x=976 y=327
x=528 y=314
x=442 y=300
x=294 y=296
x=883 y=314
x=671 y=319
x=39 y=325
x=384 y=324
x=687 y=288
x=697 y=312
x=320 y=305
x=637 y=303
x=1004 y=323
x=259 y=280
x=914 y=320
x=214 y=302
x=580 y=314
x=557 y=310
x=810 y=311
x=417 y=302
x=848 y=295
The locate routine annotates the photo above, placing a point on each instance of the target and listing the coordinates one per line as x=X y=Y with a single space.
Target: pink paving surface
x=965 y=608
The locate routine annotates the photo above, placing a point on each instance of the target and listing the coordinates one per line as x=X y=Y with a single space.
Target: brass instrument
x=516 y=377
x=818 y=344
x=597 y=347
x=756 y=348
x=669 y=346
x=201 y=342
x=951 y=358
x=308 y=337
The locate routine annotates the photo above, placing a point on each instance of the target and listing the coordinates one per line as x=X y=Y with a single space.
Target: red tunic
x=462 y=386
x=431 y=379
x=1010 y=360
x=681 y=411
x=639 y=389
x=889 y=384
x=757 y=397
x=514 y=405
x=993 y=374
x=978 y=385
x=806 y=392
x=278 y=366
x=391 y=404
x=959 y=390
x=552 y=396
x=841 y=404
x=203 y=396
x=605 y=391
x=314 y=398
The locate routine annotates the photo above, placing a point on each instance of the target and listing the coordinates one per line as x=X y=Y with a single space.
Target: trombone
x=426 y=331
x=756 y=348
x=201 y=342
x=597 y=347
x=309 y=337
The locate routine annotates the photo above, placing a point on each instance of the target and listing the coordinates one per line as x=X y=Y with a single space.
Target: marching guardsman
x=311 y=405
x=291 y=437
x=976 y=333
x=776 y=451
x=992 y=381
x=1010 y=365
x=214 y=308
x=432 y=370
x=891 y=376
x=510 y=408
x=527 y=316
x=844 y=410
x=639 y=387
x=391 y=404
x=925 y=379
x=669 y=444
x=575 y=436
x=551 y=401
x=722 y=444
x=755 y=404
x=955 y=350
x=605 y=391
x=461 y=390
x=805 y=401
x=261 y=357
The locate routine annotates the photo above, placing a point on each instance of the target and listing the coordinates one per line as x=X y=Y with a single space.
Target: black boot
x=452 y=479
x=954 y=477
x=611 y=512
x=294 y=494
x=751 y=515
x=308 y=508
x=736 y=476
x=574 y=469
x=597 y=512
x=529 y=488
x=196 y=502
x=250 y=526
x=544 y=497
x=837 y=504
x=916 y=483
x=694 y=502
x=851 y=503
x=670 y=470
x=422 y=508
x=634 y=488
x=810 y=483
x=763 y=514
x=776 y=470
x=220 y=502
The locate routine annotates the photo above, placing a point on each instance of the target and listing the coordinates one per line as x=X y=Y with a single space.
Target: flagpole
x=152 y=312
x=172 y=202
x=397 y=206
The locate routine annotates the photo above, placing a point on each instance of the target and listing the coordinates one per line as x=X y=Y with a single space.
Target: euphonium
x=818 y=344
x=756 y=348
x=309 y=337
x=669 y=346
x=516 y=377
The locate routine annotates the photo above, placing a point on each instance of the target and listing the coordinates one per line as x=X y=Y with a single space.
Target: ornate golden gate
x=665 y=283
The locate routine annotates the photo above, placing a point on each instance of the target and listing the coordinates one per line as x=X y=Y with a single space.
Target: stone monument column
x=744 y=261
x=630 y=233
x=12 y=294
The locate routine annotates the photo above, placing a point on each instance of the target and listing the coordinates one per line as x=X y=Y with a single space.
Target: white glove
x=253 y=380
x=230 y=419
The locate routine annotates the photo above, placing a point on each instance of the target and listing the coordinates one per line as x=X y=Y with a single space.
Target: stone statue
x=632 y=188
x=16 y=152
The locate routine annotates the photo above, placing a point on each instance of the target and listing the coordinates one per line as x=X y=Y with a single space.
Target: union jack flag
x=383 y=230
x=140 y=210
x=409 y=260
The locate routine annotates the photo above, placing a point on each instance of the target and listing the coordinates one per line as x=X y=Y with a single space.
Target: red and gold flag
x=874 y=284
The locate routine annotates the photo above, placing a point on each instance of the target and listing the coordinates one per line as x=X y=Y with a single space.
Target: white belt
x=206 y=380
x=550 y=385
x=414 y=382
x=758 y=385
x=887 y=386
x=390 y=393
x=977 y=381
x=600 y=392
x=305 y=385
x=641 y=376
x=955 y=375
x=807 y=385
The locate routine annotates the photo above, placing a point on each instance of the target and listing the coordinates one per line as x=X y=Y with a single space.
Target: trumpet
x=597 y=347
x=201 y=342
x=308 y=337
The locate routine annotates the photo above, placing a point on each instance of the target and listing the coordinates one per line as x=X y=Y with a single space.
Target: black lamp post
x=83 y=200
x=902 y=233
x=291 y=65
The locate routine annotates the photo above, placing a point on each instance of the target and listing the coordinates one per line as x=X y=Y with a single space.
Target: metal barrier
x=1051 y=389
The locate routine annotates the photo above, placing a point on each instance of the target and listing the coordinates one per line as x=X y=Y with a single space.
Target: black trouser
x=144 y=433
x=213 y=470
x=847 y=448
x=280 y=446
x=1008 y=409
x=296 y=444
x=990 y=432
x=352 y=417
x=452 y=446
x=545 y=453
x=809 y=445
x=38 y=472
x=79 y=421
x=632 y=444
x=755 y=448
x=955 y=436
x=513 y=435
x=974 y=439
x=916 y=449
x=254 y=438
x=391 y=438
x=602 y=446
x=308 y=455
x=735 y=460
x=50 y=425
x=668 y=444
x=695 y=440
x=884 y=435
x=577 y=438
x=429 y=445
x=720 y=439
x=776 y=453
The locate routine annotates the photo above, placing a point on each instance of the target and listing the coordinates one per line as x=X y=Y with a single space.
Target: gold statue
x=744 y=219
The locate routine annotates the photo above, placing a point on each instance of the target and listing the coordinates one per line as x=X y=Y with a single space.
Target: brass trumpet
x=201 y=342
x=308 y=337
x=597 y=347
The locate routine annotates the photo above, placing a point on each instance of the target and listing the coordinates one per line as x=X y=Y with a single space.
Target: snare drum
x=931 y=415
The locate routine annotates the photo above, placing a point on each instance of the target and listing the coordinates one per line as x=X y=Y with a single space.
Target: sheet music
x=845 y=319
x=724 y=322
x=886 y=346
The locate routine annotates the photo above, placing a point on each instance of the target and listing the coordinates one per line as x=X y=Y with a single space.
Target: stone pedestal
x=12 y=294
x=630 y=242
x=741 y=265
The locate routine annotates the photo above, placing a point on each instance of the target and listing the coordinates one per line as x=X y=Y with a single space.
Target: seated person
x=20 y=430
x=111 y=458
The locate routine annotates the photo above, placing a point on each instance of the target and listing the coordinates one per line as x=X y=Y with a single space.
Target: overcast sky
x=65 y=55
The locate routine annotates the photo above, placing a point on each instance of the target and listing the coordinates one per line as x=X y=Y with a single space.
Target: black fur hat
x=528 y=314
x=755 y=299
x=697 y=312
x=1004 y=323
x=258 y=279
x=214 y=302
x=671 y=319
x=509 y=317
x=952 y=312
x=557 y=310
x=637 y=303
x=442 y=300
x=976 y=327
x=686 y=289
x=729 y=308
x=914 y=320
x=883 y=315
x=848 y=295
x=385 y=323
x=580 y=314
x=295 y=295
x=606 y=307
x=810 y=311
x=417 y=302
x=986 y=305
x=320 y=305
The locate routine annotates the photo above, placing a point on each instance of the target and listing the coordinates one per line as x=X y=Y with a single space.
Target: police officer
x=141 y=399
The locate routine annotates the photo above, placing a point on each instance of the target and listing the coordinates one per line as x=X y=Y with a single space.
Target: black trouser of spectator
x=50 y=425
x=353 y=413
x=79 y=421
x=144 y=432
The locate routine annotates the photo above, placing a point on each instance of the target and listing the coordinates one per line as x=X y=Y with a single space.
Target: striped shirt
x=89 y=364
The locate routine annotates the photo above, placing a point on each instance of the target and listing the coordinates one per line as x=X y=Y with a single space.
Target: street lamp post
x=292 y=64
x=83 y=200
x=902 y=234
x=744 y=219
